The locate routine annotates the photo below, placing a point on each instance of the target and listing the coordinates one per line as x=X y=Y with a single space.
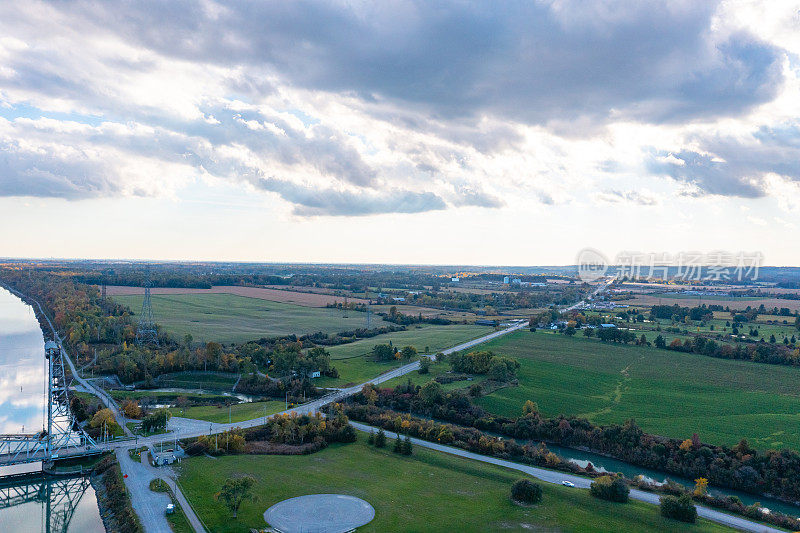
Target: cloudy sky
x=449 y=132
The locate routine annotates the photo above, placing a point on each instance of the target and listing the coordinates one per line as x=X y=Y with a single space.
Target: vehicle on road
x=568 y=483
x=170 y=508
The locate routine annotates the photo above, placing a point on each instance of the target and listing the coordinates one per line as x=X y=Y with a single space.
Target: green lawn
x=238 y=412
x=230 y=318
x=436 y=369
x=198 y=380
x=668 y=393
x=429 y=491
x=354 y=367
x=165 y=397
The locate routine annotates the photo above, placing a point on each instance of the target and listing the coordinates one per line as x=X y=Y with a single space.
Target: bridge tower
x=62 y=428
x=146 y=332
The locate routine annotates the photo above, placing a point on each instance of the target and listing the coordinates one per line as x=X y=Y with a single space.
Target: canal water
x=607 y=464
x=65 y=505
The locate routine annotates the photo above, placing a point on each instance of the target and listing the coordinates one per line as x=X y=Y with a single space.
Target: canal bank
x=28 y=503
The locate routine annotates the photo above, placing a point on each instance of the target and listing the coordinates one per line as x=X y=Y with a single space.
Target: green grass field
x=668 y=393
x=354 y=367
x=429 y=491
x=228 y=318
x=238 y=412
x=216 y=381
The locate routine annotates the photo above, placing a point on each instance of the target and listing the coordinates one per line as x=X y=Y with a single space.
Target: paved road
x=149 y=506
x=603 y=286
x=97 y=391
x=551 y=476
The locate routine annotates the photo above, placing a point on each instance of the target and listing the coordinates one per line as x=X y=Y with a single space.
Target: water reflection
x=54 y=504
x=51 y=505
x=23 y=375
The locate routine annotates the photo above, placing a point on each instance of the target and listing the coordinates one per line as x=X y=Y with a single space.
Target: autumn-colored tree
x=131 y=409
x=104 y=416
x=700 y=486
x=408 y=352
x=530 y=408
x=686 y=445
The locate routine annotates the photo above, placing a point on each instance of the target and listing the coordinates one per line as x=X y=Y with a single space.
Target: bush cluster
x=526 y=491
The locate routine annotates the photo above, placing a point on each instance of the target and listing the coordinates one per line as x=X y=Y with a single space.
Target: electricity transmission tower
x=146 y=329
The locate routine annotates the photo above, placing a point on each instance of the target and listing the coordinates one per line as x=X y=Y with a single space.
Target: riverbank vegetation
x=113 y=498
x=742 y=468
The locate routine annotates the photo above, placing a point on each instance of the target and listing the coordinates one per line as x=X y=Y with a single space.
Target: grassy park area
x=354 y=366
x=231 y=318
x=429 y=491
x=238 y=412
x=668 y=393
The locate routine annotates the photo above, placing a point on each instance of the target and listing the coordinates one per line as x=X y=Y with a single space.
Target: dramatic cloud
x=352 y=108
x=534 y=62
x=735 y=166
x=311 y=201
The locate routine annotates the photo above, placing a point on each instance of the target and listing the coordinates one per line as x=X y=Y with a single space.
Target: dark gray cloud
x=734 y=166
x=535 y=62
x=314 y=201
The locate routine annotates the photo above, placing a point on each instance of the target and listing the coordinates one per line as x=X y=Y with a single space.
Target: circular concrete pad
x=319 y=513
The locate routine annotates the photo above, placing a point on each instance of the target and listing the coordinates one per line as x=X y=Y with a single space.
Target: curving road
x=145 y=503
x=551 y=476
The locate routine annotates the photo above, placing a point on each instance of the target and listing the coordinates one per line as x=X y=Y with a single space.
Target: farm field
x=229 y=318
x=429 y=491
x=238 y=412
x=686 y=300
x=305 y=298
x=354 y=367
x=668 y=393
x=414 y=310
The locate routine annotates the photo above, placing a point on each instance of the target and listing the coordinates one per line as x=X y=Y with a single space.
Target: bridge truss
x=63 y=437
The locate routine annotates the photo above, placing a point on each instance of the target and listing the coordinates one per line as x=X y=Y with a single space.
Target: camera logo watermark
x=592 y=264
x=685 y=266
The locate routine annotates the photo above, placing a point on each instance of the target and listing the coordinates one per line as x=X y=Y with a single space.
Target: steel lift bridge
x=63 y=437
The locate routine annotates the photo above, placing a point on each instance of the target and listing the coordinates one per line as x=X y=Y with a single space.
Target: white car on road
x=568 y=483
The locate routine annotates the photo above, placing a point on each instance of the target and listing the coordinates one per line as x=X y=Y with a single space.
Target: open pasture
x=668 y=393
x=228 y=318
x=304 y=298
x=686 y=300
x=352 y=359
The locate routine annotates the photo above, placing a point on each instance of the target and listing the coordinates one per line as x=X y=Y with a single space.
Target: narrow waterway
x=606 y=464
x=62 y=504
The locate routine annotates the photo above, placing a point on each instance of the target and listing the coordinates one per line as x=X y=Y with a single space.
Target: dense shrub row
x=282 y=434
x=774 y=473
x=477 y=441
x=113 y=498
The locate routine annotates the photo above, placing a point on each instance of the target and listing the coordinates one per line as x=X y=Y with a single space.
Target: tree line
x=776 y=473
